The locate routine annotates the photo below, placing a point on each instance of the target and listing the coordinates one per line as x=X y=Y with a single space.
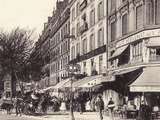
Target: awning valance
x=148 y=81
x=93 y=81
x=124 y=71
x=154 y=42
x=119 y=51
x=58 y=85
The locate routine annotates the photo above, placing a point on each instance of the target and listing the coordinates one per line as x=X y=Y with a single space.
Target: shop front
x=148 y=87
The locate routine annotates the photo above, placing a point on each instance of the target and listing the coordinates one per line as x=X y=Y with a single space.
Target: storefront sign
x=140 y=35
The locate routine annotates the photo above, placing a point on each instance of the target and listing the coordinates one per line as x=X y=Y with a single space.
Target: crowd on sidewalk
x=38 y=103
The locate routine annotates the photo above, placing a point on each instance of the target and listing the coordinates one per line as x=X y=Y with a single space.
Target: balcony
x=90 y=54
x=84 y=28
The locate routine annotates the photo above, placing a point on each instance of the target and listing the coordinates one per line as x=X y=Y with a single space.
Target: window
x=73 y=31
x=92 y=64
x=100 y=64
x=154 y=54
x=113 y=4
x=73 y=14
x=124 y=24
x=84 y=67
x=92 y=42
x=100 y=37
x=92 y=17
x=100 y=10
x=78 y=29
x=149 y=12
x=84 y=46
x=73 y=52
x=139 y=17
x=78 y=48
x=158 y=12
x=78 y=10
x=113 y=31
x=137 y=50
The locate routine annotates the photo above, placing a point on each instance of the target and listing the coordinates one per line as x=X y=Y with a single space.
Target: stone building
x=134 y=49
x=88 y=23
x=59 y=45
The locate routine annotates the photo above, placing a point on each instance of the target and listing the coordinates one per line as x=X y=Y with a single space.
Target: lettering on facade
x=140 y=35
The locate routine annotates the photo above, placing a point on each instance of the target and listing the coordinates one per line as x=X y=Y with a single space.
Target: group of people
x=100 y=107
x=144 y=112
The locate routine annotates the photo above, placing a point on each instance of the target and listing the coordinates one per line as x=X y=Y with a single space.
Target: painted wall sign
x=140 y=35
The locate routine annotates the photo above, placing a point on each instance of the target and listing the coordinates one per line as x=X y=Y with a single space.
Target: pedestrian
x=111 y=107
x=18 y=106
x=145 y=111
x=100 y=106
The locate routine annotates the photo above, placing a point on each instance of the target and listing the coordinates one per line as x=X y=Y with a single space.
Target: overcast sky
x=25 y=13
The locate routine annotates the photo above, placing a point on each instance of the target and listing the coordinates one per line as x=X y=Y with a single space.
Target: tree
x=15 y=49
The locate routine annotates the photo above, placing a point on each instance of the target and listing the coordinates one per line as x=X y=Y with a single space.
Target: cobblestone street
x=78 y=116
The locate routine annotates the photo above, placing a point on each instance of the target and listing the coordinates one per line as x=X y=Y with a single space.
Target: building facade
x=59 y=45
x=88 y=23
x=133 y=46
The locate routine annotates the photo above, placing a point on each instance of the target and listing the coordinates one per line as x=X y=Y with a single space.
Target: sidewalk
x=78 y=116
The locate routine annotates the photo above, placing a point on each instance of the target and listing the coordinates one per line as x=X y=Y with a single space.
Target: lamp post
x=72 y=69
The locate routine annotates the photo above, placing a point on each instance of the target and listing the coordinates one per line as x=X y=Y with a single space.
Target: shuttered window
x=139 y=17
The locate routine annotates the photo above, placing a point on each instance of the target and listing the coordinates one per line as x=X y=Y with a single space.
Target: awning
x=124 y=71
x=119 y=51
x=148 y=81
x=153 y=42
x=92 y=81
x=58 y=85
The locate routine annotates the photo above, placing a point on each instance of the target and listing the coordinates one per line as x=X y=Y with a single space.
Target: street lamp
x=72 y=69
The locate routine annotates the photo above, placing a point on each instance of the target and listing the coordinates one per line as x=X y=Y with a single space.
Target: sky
x=29 y=14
